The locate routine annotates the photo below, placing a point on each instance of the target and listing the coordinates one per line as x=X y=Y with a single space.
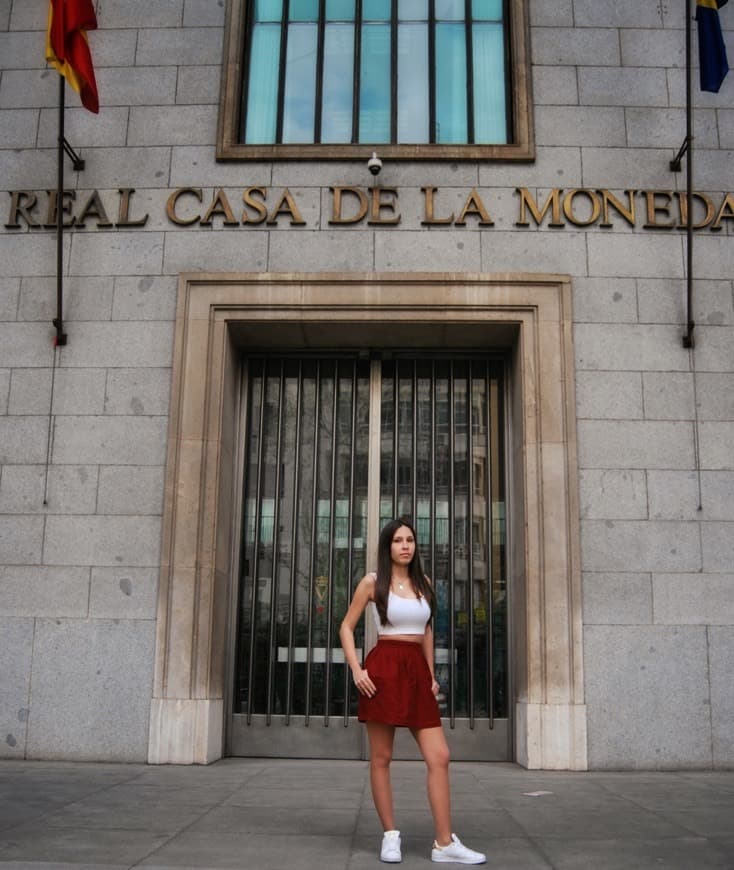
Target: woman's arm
x=427 y=644
x=363 y=594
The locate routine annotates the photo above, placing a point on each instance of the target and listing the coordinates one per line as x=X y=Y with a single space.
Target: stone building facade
x=119 y=596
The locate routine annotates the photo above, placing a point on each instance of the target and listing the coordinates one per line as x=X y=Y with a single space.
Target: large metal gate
x=334 y=448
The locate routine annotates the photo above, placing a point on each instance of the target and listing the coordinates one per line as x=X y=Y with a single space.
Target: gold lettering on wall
x=553 y=203
x=337 y=214
x=429 y=218
x=257 y=205
x=474 y=206
x=286 y=205
x=123 y=215
x=219 y=206
x=654 y=208
x=172 y=205
x=725 y=213
x=380 y=204
x=581 y=207
x=93 y=208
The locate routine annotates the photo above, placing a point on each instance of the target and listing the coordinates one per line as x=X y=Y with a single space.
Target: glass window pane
x=262 y=91
x=340 y=10
x=336 y=118
x=300 y=83
x=303 y=10
x=268 y=10
x=374 y=103
x=490 y=122
x=450 y=10
x=486 y=10
x=412 y=10
x=376 y=10
x=451 y=119
x=413 y=115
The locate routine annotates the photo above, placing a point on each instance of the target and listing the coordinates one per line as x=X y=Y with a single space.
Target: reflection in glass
x=304 y=538
x=268 y=10
x=412 y=10
x=303 y=10
x=451 y=483
x=450 y=10
x=340 y=10
x=336 y=120
x=376 y=10
x=374 y=98
x=300 y=83
x=305 y=525
x=486 y=10
x=451 y=115
x=262 y=91
x=490 y=123
x=413 y=98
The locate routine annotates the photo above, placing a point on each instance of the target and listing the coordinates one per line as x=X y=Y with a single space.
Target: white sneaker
x=390 y=851
x=456 y=853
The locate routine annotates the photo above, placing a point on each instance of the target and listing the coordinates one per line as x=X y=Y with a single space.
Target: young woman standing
x=397 y=687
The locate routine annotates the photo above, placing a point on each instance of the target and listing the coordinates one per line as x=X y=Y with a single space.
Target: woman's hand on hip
x=363 y=682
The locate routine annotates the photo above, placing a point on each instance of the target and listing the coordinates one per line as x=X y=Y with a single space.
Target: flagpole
x=58 y=321
x=690 y=324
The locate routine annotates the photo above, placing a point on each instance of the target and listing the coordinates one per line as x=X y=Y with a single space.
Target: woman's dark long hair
x=418 y=580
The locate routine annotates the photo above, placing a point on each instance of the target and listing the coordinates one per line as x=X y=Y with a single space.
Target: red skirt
x=400 y=673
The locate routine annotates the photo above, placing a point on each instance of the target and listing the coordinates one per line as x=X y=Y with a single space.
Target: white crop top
x=405 y=616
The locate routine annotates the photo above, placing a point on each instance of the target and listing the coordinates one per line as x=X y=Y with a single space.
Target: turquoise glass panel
x=300 y=83
x=450 y=10
x=336 y=111
x=376 y=10
x=303 y=10
x=490 y=120
x=374 y=94
x=340 y=10
x=268 y=10
x=486 y=10
x=412 y=10
x=451 y=116
x=413 y=115
x=262 y=91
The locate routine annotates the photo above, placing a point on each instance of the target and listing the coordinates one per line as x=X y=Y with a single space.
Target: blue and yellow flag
x=711 y=48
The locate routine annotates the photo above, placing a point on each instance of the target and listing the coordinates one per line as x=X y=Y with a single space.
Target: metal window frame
x=519 y=95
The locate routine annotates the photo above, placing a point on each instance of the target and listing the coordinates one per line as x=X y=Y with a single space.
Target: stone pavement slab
x=277 y=814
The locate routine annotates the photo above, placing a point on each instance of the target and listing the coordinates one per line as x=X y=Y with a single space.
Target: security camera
x=374 y=164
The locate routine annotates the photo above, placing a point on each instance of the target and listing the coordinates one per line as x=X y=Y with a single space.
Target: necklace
x=401 y=585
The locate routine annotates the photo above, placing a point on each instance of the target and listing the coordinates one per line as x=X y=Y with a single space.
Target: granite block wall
x=78 y=576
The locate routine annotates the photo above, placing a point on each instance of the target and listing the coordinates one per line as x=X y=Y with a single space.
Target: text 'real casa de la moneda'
x=275 y=272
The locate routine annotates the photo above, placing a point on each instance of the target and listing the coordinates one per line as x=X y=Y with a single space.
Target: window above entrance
x=415 y=79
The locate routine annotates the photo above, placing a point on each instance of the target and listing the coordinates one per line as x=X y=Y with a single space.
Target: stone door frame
x=216 y=316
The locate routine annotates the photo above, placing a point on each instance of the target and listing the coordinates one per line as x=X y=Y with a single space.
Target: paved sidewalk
x=317 y=815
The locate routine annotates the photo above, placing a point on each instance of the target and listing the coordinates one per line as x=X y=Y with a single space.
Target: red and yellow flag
x=67 y=46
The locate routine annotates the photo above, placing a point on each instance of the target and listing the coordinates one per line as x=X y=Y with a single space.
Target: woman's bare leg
x=381 y=739
x=435 y=751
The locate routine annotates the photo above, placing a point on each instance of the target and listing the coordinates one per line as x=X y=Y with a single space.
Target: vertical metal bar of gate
x=396 y=442
x=414 y=494
x=470 y=535
x=256 y=546
x=272 y=640
x=332 y=528
x=433 y=525
x=490 y=573
x=294 y=545
x=314 y=526
x=451 y=559
x=350 y=527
